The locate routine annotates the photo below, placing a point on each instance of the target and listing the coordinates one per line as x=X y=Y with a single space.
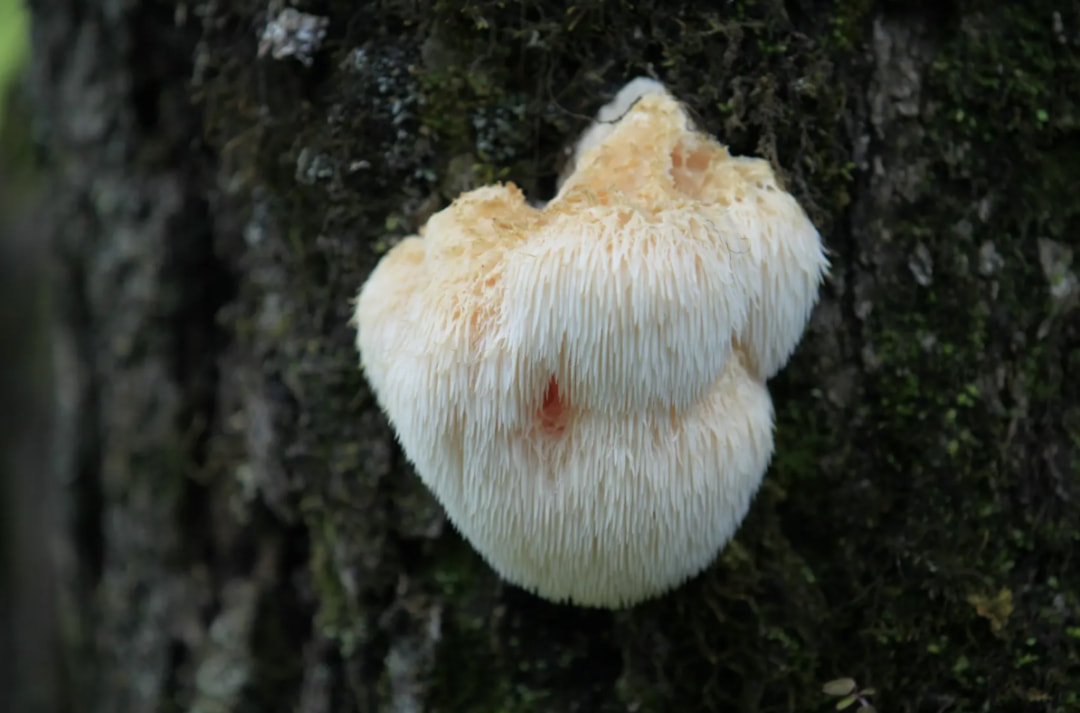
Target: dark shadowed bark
x=239 y=531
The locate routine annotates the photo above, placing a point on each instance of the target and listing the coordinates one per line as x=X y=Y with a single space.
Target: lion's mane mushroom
x=582 y=386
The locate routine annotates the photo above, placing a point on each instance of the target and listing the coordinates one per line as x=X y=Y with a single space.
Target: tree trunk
x=240 y=531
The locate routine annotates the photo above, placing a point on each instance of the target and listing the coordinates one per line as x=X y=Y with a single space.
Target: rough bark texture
x=242 y=533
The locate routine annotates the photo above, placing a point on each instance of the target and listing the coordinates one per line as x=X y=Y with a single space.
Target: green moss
x=339 y=618
x=848 y=24
x=947 y=490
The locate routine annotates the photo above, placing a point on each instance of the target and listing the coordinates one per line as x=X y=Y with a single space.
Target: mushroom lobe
x=582 y=386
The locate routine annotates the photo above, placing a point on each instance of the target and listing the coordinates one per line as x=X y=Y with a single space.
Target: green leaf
x=846 y=702
x=839 y=687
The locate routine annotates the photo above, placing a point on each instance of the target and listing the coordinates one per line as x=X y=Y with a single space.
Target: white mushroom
x=582 y=386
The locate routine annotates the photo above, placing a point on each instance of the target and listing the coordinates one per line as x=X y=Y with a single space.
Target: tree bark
x=240 y=531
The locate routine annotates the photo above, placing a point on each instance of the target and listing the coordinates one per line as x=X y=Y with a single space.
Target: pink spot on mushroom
x=689 y=169
x=553 y=411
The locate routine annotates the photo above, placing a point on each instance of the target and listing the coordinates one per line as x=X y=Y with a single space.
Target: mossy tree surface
x=917 y=527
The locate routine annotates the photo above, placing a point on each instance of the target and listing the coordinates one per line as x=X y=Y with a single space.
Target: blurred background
x=27 y=502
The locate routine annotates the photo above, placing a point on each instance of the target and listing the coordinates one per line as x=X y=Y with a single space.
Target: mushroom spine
x=583 y=385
